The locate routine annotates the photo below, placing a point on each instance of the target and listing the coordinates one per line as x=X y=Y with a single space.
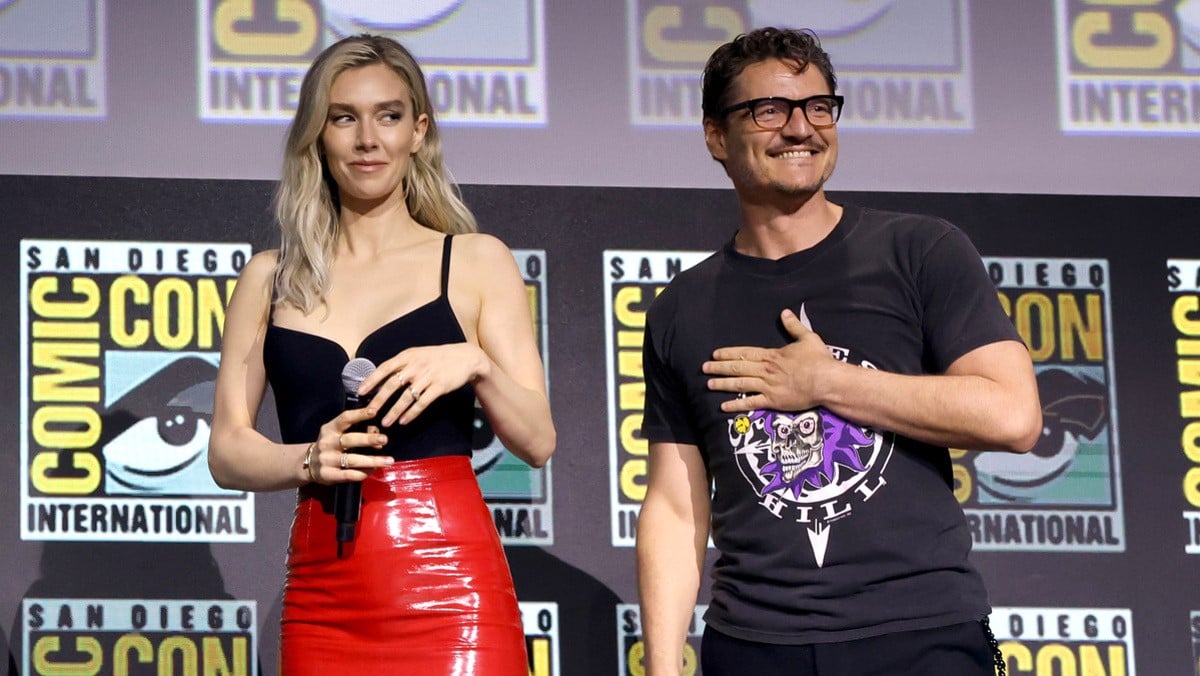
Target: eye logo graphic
x=387 y=16
x=1074 y=411
x=485 y=452
x=156 y=434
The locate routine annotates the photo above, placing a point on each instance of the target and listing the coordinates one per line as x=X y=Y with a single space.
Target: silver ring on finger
x=416 y=394
x=345 y=461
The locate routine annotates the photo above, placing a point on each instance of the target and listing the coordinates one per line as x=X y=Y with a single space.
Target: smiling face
x=794 y=161
x=370 y=135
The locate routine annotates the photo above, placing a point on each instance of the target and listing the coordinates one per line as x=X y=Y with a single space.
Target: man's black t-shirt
x=827 y=531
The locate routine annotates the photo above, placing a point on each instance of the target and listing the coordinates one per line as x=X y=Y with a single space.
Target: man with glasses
x=803 y=386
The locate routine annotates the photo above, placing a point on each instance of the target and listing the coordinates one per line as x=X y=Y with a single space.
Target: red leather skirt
x=423 y=589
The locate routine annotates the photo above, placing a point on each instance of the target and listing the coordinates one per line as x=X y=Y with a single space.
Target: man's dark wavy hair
x=802 y=47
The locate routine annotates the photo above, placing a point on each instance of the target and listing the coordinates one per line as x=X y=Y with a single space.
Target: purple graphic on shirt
x=807 y=447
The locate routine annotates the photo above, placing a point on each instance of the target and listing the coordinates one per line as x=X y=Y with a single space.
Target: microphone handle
x=347 y=496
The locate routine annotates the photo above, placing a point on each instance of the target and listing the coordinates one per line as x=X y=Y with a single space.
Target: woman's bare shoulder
x=480 y=247
x=261 y=266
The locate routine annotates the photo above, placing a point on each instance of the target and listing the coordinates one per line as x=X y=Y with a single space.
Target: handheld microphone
x=347 y=497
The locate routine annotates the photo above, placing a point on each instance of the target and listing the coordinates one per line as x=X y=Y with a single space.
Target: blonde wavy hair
x=306 y=199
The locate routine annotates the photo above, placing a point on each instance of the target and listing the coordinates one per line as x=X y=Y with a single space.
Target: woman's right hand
x=331 y=462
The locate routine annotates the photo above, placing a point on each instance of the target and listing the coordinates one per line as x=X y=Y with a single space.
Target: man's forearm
x=956 y=410
x=669 y=566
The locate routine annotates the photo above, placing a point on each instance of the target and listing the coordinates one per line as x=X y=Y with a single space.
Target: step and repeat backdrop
x=120 y=555
x=138 y=146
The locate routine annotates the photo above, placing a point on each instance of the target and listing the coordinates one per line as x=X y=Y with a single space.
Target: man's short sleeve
x=961 y=310
x=667 y=417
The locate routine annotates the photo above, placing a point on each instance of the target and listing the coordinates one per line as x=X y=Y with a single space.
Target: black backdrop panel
x=1066 y=600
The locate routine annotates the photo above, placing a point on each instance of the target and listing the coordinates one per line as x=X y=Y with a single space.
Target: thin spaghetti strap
x=446 y=263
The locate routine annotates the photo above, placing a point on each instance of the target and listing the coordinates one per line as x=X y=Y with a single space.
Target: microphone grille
x=356 y=371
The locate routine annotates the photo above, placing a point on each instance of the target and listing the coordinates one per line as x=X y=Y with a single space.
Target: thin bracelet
x=308 y=466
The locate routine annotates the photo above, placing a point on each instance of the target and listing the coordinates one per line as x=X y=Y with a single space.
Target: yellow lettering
x=1189 y=402
x=1191 y=486
x=54 y=385
x=622 y=307
x=531 y=295
x=216 y=662
x=66 y=330
x=539 y=658
x=668 y=17
x=690 y=662
x=1181 y=310
x=1005 y=304
x=84 y=485
x=1191 y=441
x=635 y=658
x=628 y=339
x=295 y=14
x=1073 y=327
x=1090 y=25
x=633 y=474
x=210 y=313
x=87 y=645
x=632 y=396
x=143 y=652
x=125 y=291
x=83 y=430
x=631 y=427
x=1056 y=653
x=1091 y=664
x=173 y=297
x=187 y=653
x=1011 y=650
x=84 y=421
x=964 y=484
x=44 y=287
x=1041 y=345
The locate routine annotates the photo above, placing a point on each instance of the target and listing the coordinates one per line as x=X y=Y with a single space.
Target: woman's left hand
x=424 y=374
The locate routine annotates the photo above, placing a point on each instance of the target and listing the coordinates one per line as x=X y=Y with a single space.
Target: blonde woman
x=379 y=259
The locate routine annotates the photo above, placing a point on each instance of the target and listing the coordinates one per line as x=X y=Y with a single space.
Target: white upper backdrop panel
x=1030 y=96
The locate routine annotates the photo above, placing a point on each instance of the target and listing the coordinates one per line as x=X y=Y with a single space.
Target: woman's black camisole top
x=305 y=372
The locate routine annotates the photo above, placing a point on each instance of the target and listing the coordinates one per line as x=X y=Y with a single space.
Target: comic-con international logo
x=1129 y=66
x=119 y=352
x=53 y=59
x=253 y=54
x=811 y=467
x=632 y=279
x=540 y=621
x=1183 y=283
x=1052 y=641
x=139 y=636
x=631 y=648
x=519 y=496
x=890 y=81
x=1065 y=493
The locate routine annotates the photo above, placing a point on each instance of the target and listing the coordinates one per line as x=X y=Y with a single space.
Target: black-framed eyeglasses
x=773 y=112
